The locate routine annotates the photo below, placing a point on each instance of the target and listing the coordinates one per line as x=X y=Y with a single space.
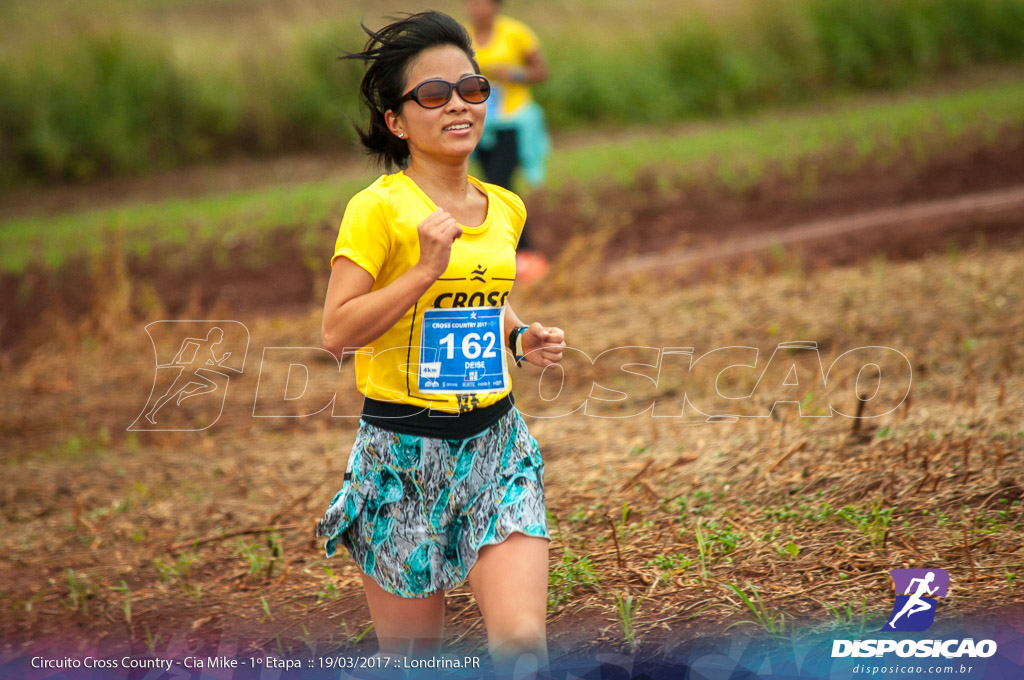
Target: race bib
x=462 y=351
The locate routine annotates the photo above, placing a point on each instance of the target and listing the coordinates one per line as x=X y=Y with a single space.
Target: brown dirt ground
x=160 y=510
x=939 y=482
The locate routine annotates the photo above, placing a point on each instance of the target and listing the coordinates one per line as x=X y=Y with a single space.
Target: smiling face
x=449 y=132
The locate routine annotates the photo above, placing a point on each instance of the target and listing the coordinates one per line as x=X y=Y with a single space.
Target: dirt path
x=923 y=222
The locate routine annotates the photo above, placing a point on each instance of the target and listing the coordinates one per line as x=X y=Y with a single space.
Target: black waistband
x=422 y=422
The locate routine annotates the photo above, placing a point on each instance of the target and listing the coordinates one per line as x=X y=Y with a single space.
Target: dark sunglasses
x=433 y=94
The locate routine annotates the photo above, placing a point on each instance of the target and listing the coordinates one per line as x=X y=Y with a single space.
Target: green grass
x=741 y=149
x=849 y=617
x=227 y=218
x=261 y=559
x=127 y=606
x=122 y=86
x=627 y=608
x=772 y=621
x=80 y=591
x=872 y=522
x=670 y=565
x=737 y=152
x=568 y=575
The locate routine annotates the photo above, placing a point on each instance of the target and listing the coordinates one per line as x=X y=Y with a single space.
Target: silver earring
x=401 y=135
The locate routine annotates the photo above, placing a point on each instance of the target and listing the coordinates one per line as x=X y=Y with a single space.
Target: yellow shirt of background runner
x=379 y=233
x=511 y=42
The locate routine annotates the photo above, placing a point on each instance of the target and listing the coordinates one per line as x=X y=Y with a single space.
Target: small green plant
x=151 y=640
x=330 y=591
x=355 y=640
x=848 y=618
x=578 y=515
x=669 y=565
x=807 y=405
x=556 y=527
x=772 y=621
x=181 y=570
x=697 y=503
x=722 y=540
x=713 y=540
x=260 y=559
x=702 y=550
x=123 y=588
x=806 y=512
x=266 y=610
x=874 y=523
x=195 y=591
x=308 y=640
x=276 y=551
x=80 y=591
x=624 y=515
x=627 y=608
x=568 y=575
x=252 y=554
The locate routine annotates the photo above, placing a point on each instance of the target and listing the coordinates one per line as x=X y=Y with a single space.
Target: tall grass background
x=128 y=86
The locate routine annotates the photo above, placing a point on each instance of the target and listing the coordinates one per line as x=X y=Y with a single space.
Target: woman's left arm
x=542 y=345
x=536 y=68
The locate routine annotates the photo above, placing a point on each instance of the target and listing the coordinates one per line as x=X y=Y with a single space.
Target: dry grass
x=801 y=515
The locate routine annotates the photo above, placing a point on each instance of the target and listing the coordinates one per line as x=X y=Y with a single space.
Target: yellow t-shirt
x=379 y=233
x=510 y=43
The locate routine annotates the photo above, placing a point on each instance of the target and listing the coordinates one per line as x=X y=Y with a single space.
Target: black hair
x=387 y=54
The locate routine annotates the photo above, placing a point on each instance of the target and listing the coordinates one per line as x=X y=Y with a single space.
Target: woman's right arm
x=355 y=315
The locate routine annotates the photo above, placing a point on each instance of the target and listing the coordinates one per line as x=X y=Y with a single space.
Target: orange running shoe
x=530 y=266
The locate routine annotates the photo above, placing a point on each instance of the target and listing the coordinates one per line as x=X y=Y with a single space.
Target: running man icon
x=914 y=609
x=200 y=366
x=915 y=604
x=203 y=384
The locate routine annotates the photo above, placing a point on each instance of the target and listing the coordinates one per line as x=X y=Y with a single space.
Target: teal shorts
x=415 y=511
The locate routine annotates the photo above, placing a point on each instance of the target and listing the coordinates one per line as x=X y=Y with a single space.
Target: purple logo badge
x=916 y=590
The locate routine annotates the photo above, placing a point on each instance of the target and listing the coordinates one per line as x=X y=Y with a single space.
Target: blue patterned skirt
x=414 y=511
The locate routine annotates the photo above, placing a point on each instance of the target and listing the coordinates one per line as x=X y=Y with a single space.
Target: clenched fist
x=543 y=345
x=437 y=233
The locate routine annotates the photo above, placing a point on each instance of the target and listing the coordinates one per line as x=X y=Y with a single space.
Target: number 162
x=472 y=345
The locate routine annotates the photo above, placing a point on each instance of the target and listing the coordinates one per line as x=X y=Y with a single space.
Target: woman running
x=510 y=55
x=444 y=483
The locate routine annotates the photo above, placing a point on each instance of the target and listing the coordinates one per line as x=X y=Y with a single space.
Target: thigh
x=405 y=625
x=510 y=583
